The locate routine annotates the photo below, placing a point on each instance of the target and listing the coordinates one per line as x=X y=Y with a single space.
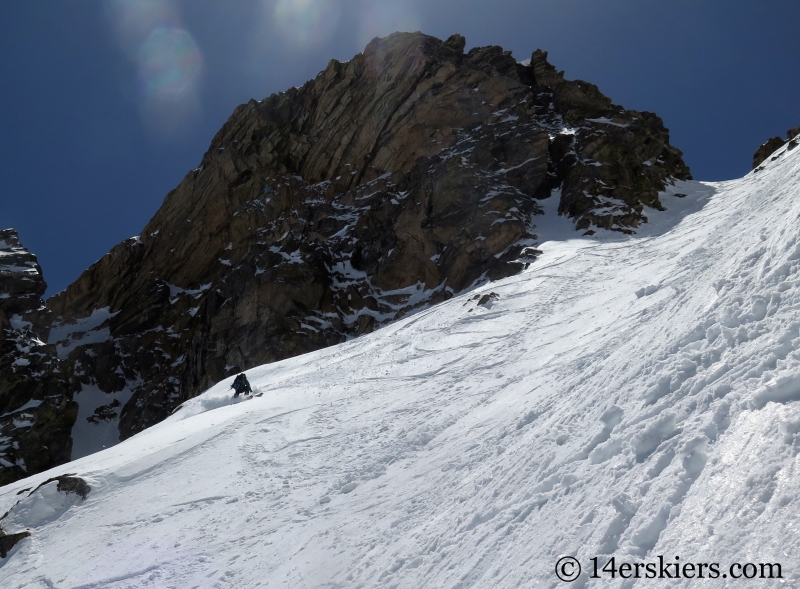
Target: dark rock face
x=36 y=407
x=21 y=281
x=616 y=163
x=390 y=182
x=773 y=144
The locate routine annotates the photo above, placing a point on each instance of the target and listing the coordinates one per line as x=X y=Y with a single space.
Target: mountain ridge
x=393 y=181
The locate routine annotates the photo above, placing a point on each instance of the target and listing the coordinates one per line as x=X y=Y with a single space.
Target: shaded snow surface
x=633 y=396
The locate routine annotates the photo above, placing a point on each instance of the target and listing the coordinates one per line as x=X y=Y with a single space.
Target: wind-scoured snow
x=627 y=396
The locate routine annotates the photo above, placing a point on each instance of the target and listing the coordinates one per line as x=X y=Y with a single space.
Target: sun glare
x=380 y=18
x=168 y=62
x=306 y=22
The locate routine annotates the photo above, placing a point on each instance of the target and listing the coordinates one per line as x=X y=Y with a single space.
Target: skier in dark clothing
x=241 y=385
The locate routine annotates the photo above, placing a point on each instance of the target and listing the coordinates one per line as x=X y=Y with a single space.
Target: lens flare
x=169 y=63
x=134 y=20
x=306 y=22
x=170 y=66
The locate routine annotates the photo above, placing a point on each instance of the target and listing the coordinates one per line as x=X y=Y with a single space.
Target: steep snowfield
x=628 y=397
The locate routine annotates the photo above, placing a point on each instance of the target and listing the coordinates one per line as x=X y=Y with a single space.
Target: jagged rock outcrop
x=36 y=407
x=8 y=541
x=773 y=144
x=40 y=505
x=392 y=181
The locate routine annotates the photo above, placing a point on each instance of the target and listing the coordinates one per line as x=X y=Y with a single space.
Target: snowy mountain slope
x=387 y=183
x=625 y=396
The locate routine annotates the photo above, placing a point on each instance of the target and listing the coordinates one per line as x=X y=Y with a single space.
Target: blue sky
x=106 y=105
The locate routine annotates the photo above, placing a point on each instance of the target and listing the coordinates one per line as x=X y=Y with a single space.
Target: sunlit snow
x=627 y=396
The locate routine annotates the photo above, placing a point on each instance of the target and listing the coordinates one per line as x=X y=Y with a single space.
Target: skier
x=241 y=385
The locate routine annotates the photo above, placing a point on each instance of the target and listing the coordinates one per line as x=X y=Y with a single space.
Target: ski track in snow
x=625 y=396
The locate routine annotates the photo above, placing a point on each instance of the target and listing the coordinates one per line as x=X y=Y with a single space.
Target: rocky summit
x=387 y=183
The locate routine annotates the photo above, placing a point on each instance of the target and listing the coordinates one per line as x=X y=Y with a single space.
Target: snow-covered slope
x=631 y=397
